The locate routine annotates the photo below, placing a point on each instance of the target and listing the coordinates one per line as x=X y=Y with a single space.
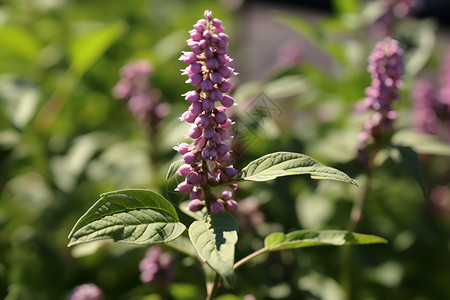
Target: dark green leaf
x=214 y=239
x=407 y=158
x=128 y=216
x=281 y=164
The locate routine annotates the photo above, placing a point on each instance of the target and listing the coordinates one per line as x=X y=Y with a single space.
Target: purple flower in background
x=386 y=69
x=208 y=157
x=134 y=89
x=424 y=105
x=88 y=291
x=156 y=267
x=431 y=104
x=392 y=10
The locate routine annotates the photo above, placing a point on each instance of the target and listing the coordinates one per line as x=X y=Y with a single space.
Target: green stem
x=214 y=287
x=248 y=257
x=355 y=217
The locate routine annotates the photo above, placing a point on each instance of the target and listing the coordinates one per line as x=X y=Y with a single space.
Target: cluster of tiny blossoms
x=386 y=70
x=156 y=267
x=207 y=159
x=134 y=89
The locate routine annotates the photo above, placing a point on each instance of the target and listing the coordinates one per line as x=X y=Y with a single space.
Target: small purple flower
x=208 y=157
x=386 y=70
x=156 y=267
x=88 y=291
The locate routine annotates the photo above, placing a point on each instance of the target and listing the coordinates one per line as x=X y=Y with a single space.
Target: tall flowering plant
x=143 y=217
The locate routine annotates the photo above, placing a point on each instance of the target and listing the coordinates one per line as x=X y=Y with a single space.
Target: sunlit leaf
x=281 y=164
x=129 y=216
x=421 y=143
x=308 y=238
x=214 y=239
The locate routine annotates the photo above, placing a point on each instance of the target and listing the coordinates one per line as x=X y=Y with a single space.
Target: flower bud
x=195 y=132
x=215 y=77
x=230 y=171
x=224 y=87
x=215 y=95
x=231 y=206
x=182 y=148
x=192 y=178
x=184 y=170
x=196 y=108
x=189 y=158
x=207 y=104
x=216 y=207
x=183 y=187
x=195 y=205
x=227 y=101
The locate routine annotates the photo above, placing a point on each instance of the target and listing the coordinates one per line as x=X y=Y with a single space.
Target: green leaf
x=173 y=168
x=421 y=143
x=309 y=238
x=214 y=238
x=86 y=48
x=408 y=160
x=17 y=42
x=129 y=216
x=281 y=164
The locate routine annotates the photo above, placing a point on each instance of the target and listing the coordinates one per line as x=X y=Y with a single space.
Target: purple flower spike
x=208 y=158
x=386 y=69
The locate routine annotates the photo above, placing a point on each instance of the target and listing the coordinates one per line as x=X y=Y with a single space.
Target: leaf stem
x=214 y=287
x=248 y=257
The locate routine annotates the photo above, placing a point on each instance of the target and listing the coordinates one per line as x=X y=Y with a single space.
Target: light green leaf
x=129 y=216
x=214 y=239
x=421 y=143
x=17 y=42
x=86 y=48
x=173 y=168
x=309 y=238
x=281 y=164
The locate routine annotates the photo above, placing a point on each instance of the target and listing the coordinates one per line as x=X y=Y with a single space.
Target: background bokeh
x=65 y=139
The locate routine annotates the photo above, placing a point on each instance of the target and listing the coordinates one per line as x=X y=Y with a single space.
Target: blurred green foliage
x=64 y=140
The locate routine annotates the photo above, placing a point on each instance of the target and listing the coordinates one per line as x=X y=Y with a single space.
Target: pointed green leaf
x=173 y=168
x=308 y=238
x=214 y=239
x=129 y=216
x=281 y=164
